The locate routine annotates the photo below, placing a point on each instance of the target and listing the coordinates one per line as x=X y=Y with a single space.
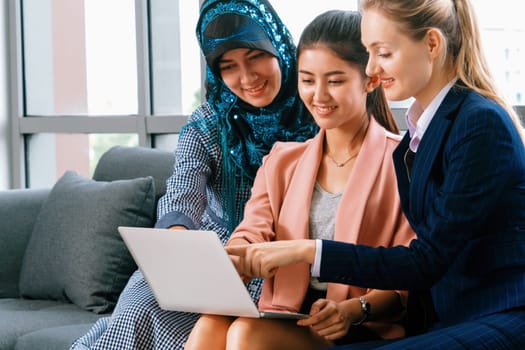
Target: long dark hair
x=340 y=31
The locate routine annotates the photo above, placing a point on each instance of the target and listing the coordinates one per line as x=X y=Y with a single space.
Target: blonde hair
x=457 y=22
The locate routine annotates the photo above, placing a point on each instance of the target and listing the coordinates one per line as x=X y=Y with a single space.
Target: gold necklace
x=342 y=164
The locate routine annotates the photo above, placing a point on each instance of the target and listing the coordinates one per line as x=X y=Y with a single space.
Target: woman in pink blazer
x=307 y=190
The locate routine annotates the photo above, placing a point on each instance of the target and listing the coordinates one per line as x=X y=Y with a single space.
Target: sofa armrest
x=18 y=212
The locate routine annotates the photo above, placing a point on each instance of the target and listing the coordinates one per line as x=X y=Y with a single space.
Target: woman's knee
x=214 y=322
x=209 y=333
x=243 y=334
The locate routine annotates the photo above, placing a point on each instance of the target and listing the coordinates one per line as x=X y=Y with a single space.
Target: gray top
x=322 y=220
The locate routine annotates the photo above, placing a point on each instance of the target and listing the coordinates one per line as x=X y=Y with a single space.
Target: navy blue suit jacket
x=466 y=202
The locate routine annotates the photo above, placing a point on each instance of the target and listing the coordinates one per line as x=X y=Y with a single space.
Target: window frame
x=144 y=123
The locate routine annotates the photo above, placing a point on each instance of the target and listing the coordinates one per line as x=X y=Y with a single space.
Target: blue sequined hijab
x=247 y=133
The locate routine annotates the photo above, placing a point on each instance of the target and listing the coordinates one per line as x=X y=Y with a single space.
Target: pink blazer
x=369 y=213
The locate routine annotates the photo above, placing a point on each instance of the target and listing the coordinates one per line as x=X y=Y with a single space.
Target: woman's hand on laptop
x=263 y=259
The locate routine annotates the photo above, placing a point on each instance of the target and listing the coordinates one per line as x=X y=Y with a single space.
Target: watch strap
x=365 y=309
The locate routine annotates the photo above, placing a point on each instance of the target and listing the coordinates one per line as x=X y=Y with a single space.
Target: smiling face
x=332 y=89
x=253 y=75
x=405 y=67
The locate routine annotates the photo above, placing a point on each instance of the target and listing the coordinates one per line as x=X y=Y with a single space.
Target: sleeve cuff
x=175 y=218
x=316 y=266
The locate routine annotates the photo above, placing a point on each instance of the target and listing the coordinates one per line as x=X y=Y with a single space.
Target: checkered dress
x=137 y=321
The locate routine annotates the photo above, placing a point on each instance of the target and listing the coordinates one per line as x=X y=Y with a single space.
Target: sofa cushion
x=52 y=338
x=75 y=253
x=24 y=317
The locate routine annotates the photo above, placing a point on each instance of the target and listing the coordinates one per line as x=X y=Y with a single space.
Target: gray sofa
x=62 y=262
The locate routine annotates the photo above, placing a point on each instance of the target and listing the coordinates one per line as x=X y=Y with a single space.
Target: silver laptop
x=190 y=271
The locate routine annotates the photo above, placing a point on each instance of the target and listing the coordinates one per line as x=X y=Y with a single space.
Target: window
x=503 y=34
x=79 y=57
x=73 y=67
x=48 y=160
x=93 y=74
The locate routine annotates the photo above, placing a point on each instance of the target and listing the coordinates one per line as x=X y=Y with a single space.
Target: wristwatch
x=365 y=309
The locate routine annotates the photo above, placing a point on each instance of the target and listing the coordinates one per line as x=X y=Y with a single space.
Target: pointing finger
x=238 y=250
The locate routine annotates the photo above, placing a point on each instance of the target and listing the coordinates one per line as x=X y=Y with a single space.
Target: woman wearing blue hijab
x=251 y=102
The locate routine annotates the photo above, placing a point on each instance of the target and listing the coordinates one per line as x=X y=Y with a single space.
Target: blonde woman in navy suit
x=461 y=180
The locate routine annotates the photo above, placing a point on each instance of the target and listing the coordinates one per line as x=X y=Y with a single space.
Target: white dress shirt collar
x=424 y=117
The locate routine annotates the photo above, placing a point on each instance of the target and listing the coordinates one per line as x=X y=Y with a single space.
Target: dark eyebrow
x=333 y=72
x=305 y=72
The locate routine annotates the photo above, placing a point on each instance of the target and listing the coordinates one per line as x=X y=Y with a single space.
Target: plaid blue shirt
x=194 y=191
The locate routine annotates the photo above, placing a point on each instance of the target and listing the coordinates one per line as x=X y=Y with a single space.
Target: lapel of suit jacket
x=403 y=183
x=359 y=185
x=290 y=280
x=352 y=207
x=428 y=149
x=294 y=211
